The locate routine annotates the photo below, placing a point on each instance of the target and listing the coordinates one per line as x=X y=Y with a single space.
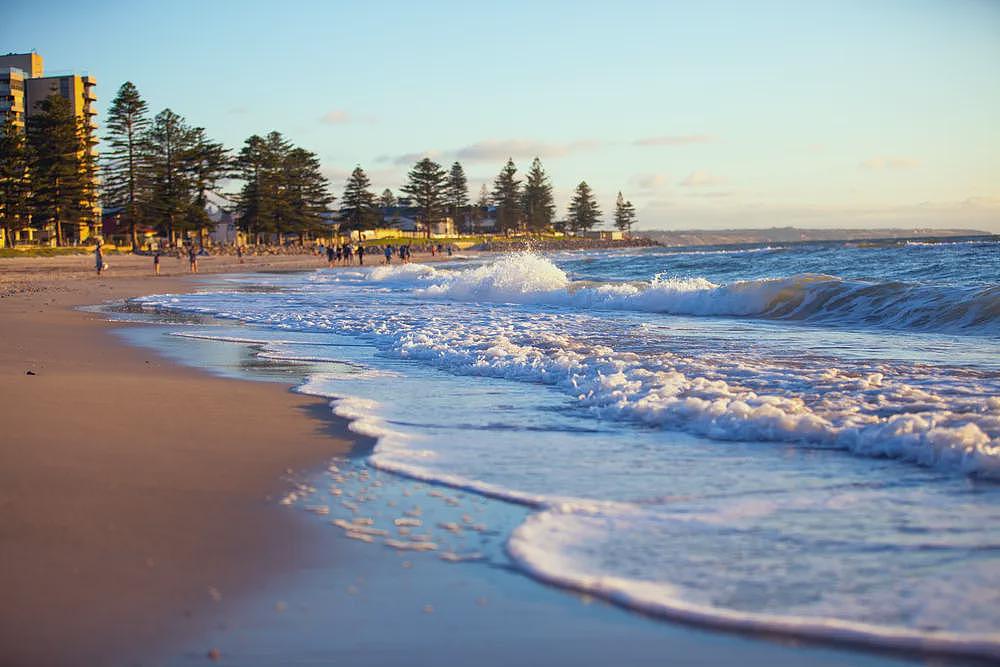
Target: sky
x=714 y=114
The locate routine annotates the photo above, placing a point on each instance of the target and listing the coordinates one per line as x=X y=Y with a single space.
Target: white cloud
x=700 y=178
x=342 y=117
x=890 y=162
x=336 y=117
x=497 y=150
x=651 y=182
x=674 y=140
x=408 y=159
x=500 y=149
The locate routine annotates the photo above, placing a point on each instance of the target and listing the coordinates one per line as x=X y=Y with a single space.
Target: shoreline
x=136 y=492
x=221 y=589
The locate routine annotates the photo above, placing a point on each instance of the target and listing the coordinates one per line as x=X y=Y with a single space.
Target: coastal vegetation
x=159 y=174
x=584 y=212
x=283 y=191
x=46 y=171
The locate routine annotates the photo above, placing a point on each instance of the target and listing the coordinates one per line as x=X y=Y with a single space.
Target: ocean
x=799 y=439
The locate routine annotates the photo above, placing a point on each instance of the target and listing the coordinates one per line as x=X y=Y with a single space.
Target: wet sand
x=136 y=496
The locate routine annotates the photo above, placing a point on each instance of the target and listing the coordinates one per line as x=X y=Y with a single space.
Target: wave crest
x=525 y=278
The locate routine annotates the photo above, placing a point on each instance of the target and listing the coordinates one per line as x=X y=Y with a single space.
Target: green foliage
x=61 y=167
x=170 y=147
x=508 y=199
x=284 y=191
x=207 y=162
x=426 y=185
x=483 y=201
x=458 y=194
x=306 y=193
x=125 y=182
x=387 y=199
x=538 y=204
x=358 y=203
x=624 y=214
x=15 y=180
x=584 y=212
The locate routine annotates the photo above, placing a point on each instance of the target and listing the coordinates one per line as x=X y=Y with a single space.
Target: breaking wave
x=529 y=279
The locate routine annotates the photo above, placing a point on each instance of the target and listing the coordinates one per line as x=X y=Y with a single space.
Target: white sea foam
x=526 y=278
x=870 y=414
x=553 y=546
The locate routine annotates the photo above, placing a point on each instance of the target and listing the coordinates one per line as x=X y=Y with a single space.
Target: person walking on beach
x=361 y=255
x=331 y=254
x=156 y=262
x=239 y=253
x=99 y=258
x=348 y=252
x=388 y=254
x=193 y=258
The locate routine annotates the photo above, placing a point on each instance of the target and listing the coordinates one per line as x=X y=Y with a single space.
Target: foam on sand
x=542 y=545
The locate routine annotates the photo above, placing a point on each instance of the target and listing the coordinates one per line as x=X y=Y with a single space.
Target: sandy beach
x=135 y=494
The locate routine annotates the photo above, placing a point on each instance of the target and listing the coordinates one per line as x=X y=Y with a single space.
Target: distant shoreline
x=706 y=237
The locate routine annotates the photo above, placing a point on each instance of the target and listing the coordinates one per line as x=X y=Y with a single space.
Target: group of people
x=345 y=254
x=192 y=255
x=335 y=254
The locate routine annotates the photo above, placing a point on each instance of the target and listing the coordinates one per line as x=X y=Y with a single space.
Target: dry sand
x=134 y=494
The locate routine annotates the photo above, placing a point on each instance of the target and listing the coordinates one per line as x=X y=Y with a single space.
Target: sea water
x=801 y=439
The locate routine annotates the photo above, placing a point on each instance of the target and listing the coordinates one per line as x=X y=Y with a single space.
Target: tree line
x=47 y=172
x=520 y=204
x=158 y=172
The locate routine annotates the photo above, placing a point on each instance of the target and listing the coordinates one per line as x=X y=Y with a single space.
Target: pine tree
x=458 y=192
x=277 y=209
x=482 y=204
x=284 y=190
x=624 y=214
x=584 y=212
x=250 y=165
x=630 y=216
x=387 y=199
x=507 y=197
x=426 y=185
x=15 y=181
x=539 y=206
x=358 y=201
x=125 y=173
x=206 y=162
x=306 y=192
x=61 y=167
x=169 y=143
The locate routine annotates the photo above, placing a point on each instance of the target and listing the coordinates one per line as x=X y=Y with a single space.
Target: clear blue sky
x=705 y=114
